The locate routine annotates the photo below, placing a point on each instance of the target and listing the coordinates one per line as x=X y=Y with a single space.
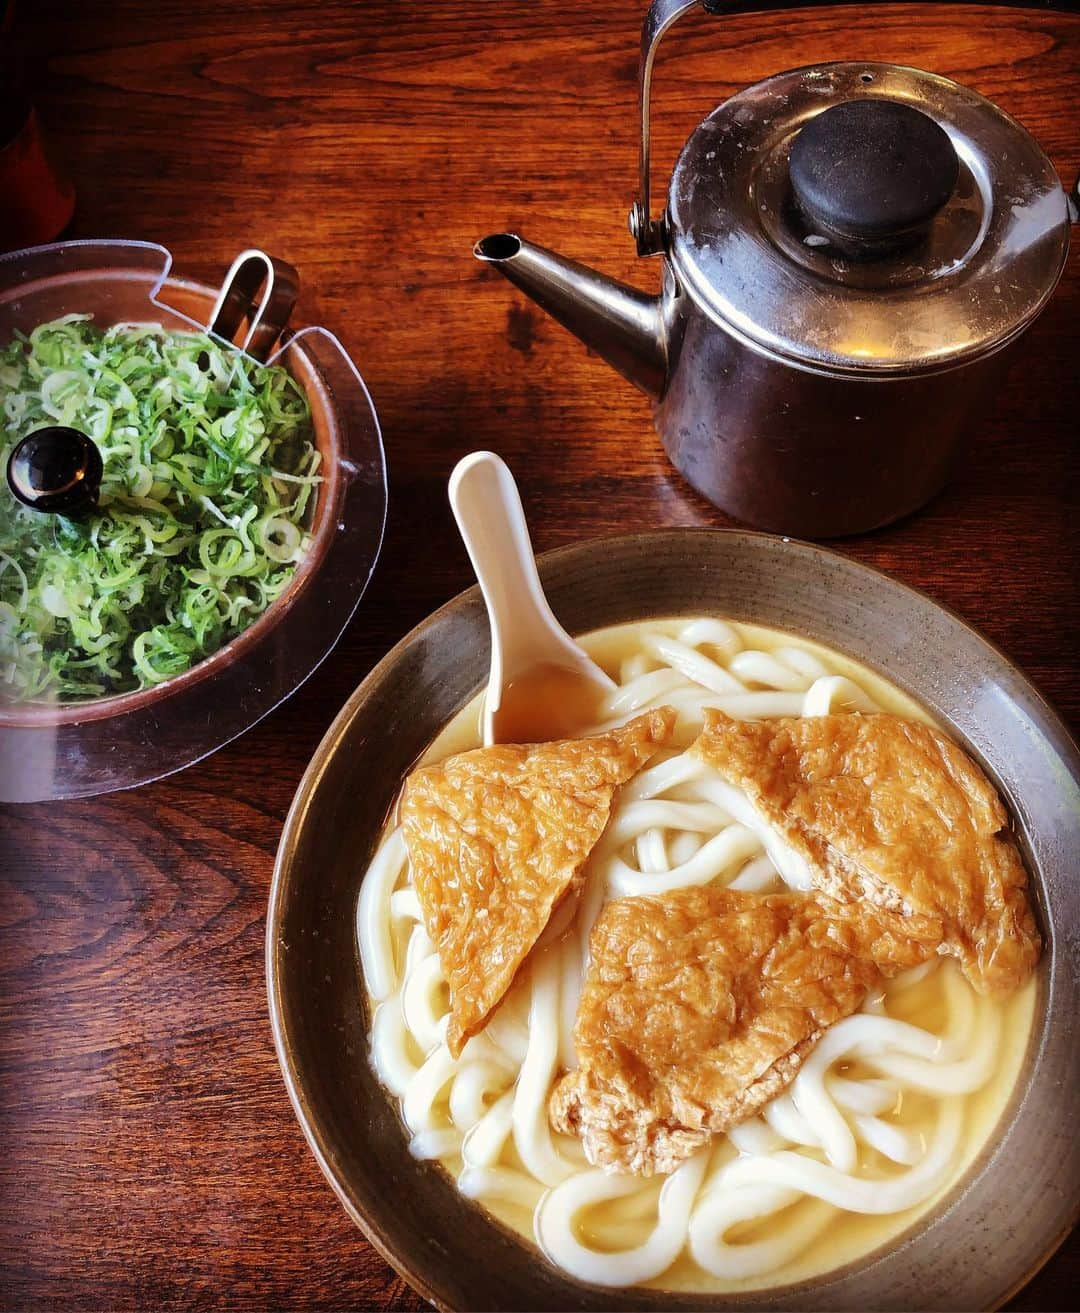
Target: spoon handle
x=488 y=510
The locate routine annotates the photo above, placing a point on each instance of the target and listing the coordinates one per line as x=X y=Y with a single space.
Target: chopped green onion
x=206 y=499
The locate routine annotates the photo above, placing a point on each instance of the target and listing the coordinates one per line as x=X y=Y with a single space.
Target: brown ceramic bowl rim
x=426 y=1283
x=37 y=713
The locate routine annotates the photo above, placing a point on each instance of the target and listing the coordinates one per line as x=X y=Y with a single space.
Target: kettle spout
x=622 y=324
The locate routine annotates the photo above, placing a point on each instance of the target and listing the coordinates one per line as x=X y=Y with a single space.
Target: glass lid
x=867 y=218
x=190 y=514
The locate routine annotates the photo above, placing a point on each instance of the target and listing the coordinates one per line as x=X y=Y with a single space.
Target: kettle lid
x=867 y=217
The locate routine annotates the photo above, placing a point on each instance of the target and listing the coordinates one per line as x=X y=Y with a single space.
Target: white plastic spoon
x=542 y=686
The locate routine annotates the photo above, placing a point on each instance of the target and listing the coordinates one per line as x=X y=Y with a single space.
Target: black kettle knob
x=871 y=174
x=56 y=469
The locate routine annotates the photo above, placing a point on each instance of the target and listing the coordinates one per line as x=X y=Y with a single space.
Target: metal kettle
x=847 y=250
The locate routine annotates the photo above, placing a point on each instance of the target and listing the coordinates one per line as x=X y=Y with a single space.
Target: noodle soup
x=886 y=1114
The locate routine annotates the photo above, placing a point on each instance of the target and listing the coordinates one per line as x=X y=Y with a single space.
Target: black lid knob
x=56 y=469
x=871 y=174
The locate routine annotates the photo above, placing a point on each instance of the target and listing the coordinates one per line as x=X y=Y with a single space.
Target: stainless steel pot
x=848 y=250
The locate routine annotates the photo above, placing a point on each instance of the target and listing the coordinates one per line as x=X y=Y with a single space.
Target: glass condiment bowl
x=80 y=748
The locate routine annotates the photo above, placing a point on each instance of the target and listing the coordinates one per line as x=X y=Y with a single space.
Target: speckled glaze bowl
x=1021 y=1197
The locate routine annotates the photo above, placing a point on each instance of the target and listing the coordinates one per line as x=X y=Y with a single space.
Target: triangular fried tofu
x=497 y=837
x=698 y=1007
x=889 y=811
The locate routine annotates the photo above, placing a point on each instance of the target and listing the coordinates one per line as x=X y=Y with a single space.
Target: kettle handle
x=663 y=14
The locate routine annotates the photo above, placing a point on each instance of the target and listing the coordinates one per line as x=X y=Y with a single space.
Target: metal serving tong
x=260 y=290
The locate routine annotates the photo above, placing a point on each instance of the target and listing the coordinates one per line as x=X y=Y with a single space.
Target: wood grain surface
x=148 y=1153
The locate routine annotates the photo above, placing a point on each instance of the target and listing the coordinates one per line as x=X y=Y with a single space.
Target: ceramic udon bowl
x=1017 y=1202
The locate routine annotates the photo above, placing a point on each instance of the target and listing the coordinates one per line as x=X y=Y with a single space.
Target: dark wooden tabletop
x=148 y=1153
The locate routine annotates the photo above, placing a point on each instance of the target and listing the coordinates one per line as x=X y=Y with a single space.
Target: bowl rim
x=1053 y=726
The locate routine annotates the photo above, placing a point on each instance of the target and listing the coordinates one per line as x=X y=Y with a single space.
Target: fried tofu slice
x=889 y=813
x=497 y=837
x=698 y=1007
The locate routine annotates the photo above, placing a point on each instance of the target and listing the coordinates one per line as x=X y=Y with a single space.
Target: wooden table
x=148 y=1154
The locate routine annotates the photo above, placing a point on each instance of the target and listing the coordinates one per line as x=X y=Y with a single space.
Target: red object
x=38 y=201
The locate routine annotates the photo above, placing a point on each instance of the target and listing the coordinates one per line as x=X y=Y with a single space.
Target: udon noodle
x=886 y=1113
